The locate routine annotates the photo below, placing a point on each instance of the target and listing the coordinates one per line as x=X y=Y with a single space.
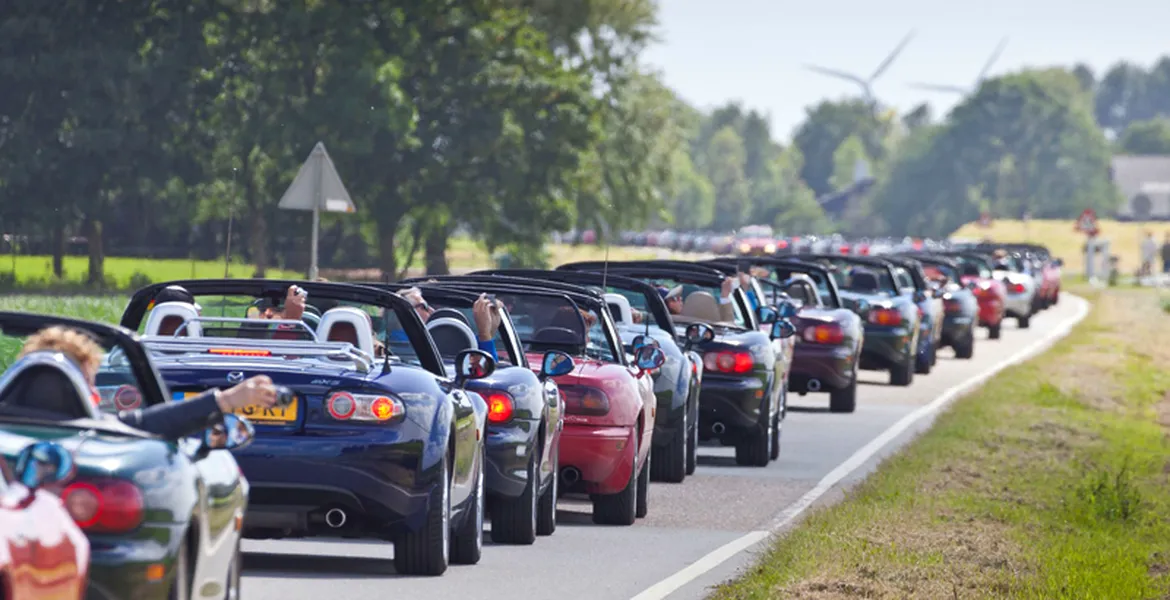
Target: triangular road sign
x=317 y=185
x=1087 y=222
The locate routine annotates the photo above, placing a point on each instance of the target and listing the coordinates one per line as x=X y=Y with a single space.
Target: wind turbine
x=958 y=89
x=865 y=84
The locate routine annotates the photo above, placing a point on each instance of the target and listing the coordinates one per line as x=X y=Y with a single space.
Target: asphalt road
x=697 y=534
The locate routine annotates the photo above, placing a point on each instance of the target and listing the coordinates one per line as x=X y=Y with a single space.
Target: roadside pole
x=317 y=187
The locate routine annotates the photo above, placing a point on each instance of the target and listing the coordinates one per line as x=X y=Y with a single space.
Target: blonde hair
x=80 y=348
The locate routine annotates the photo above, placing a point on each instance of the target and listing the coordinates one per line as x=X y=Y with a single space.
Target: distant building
x=1144 y=182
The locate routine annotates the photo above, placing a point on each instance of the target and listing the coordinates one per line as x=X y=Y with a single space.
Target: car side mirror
x=555 y=364
x=473 y=364
x=1058 y=263
x=787 y=309
x=642 y=340
x=782 y=330
x=233 y=433
x=648 y=358
x=44 y=463
x=919 y=296
x=767 y=315
x=698 y=333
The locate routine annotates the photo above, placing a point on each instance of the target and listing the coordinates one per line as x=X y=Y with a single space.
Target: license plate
x=276 y=414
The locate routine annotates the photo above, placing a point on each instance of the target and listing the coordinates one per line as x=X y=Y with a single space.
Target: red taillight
x=863 y=250
x=844 y=248
x=781 y=244
x=345 y=406
x=885 y=316
x=585 y=401
x=729 y=361
x=1016 y=288
x=829 y=333
x=238 y=352
x=104 y=506
x=127 y=398
x=499 y=406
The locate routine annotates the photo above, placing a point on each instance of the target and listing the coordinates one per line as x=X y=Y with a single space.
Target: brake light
x=1016 y=288
x=828 y=333
x=585 y=401
x=499 y=406
x=345 y=406
x=729 y=361
x=238 y=352
x=863 y=250
x=104 y=506
x=120 y=397
x=844 y=248
x=885 y=316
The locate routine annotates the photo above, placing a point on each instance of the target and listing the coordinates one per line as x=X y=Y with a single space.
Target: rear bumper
x=991 y=311
x=887 y=348
x=831 y=366
x=603 y=454
x=957 y=327
x=1019 y=305
x=735 y=402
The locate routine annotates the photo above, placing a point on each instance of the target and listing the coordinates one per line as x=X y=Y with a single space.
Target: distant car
x=991 y=293
x=381 y=443
x=961 y=307
x=43 y=554
x=162 y=516
x=912 y=281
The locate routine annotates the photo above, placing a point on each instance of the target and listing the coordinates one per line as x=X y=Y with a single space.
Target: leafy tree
x=828 y=125
x=846 y=159
x=723 y=164
x=1146 y=137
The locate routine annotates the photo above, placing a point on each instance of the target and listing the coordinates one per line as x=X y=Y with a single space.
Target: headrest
x=48 y=385
x=619 y=307
x=348 y=324
x=166 y=318
x=449 y=313
x=864 y=281
x=702 y=306
x=451 y=336
x=557 y=335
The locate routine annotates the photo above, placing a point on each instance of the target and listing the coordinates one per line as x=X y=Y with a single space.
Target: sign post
x=1087 y=224
x=317 y=187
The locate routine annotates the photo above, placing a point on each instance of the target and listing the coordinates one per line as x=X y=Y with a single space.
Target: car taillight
x=829 y=333
x=885 y=316
x=499 y=406
x=104 y=506
x=729 y=361
x=1016 y=288
x=585 y=401
x=952 y=306
x=844 y=248
x=120 y=397
x=346 y=406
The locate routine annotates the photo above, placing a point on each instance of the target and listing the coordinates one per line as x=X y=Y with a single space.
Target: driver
x=485 y=311
x=170 y=419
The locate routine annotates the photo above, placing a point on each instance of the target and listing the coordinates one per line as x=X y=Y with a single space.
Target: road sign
x=317 y=187
x=1087 y=222
x=985 y=219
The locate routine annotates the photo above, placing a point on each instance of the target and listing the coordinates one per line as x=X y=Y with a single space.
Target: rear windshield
x=551 y=322
x=862 y=279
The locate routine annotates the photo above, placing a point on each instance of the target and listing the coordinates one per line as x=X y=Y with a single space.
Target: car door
x=466 y=434
x=222 y=498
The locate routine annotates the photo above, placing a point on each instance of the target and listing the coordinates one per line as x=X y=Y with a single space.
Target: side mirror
x=44 y=463
x=767 y=315
x=782 y=330
x=862 y=305
x=649 y=358
x=787 y=309
x=1058 y=263
x=642 y=340
x=555 y=364
x=473 y=364
x=233 y=433
x=919 y=296
x=697 y=333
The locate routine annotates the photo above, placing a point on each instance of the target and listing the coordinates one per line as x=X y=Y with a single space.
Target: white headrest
x=170 y=313
x=357 y=318
x=451 y=336
x=619 y=307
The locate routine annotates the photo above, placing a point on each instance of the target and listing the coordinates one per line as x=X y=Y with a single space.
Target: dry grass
x=1065 y=242
x=1048 y=483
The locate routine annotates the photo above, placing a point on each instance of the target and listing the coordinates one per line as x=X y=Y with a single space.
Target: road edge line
x=710 y=561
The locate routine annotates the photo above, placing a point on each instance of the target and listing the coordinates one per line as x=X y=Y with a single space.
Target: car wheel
x=643 y=505
x=514 y=519
x=966 y=347
x=922 y=364
x=1024 y=322
x=756 y=451
x=427 y=550
x=619 y=508
x=181 y=584
x=993 y=331
x=546 y=516
x=467 y=543
x=693 y=448
x=902 y=375
x=233 y=582
x=670 y=461
x=844 y=400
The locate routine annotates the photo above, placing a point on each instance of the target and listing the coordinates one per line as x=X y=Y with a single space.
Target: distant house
x=1144 y=182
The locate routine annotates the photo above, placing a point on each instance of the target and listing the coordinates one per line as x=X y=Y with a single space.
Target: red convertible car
x=43 y=553
x=991 y=293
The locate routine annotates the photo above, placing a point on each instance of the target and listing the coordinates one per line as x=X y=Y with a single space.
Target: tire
x=467 y=543
x=776 y=423
x=670 y=461
x=757 y=451
x=546 y=510
x=966 y=348
x=234 y=575
x=922 y=364
x=844 y=400
x=181 y=584
x=693 y=448
x=642 y=506
x=619 y=508
x=514 y=519
x=1024 y=322
x=934 y=352
x=427 y=551
x=903 y=375
x=993 y=331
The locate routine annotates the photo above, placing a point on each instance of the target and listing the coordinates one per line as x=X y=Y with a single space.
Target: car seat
x=702 y=306
x=350 y=325
x=167 y=318
x=47 y=385
x=451 y=336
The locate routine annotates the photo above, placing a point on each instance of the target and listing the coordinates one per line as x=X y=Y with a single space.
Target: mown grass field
x=1052 y=481
x=1066 y=243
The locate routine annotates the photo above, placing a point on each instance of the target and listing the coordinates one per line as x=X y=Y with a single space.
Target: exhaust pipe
x=335 y=518
x=570 y=476
x=814 y=385
x=718 y=428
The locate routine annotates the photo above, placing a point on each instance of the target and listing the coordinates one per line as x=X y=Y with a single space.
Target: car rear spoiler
x=229 y=346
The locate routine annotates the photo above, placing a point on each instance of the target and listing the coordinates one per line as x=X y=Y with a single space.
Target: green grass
x=1049 y=482
x=36 y=272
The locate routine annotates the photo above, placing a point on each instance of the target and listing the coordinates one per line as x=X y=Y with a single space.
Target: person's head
x=421 y=308
x=77 y=346
x=673 y=298
x=175 y=293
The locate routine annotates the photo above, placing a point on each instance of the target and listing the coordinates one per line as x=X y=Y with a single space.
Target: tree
x=828 y=125
x=723 y=164
x=1146 y=137
x=846 y=160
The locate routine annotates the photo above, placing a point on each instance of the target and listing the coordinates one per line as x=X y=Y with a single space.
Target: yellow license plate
x=276 y=414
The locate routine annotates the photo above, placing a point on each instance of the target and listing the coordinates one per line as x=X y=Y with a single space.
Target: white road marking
x=671 y=584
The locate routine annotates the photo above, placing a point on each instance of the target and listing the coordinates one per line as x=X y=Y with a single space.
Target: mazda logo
x=235 y=376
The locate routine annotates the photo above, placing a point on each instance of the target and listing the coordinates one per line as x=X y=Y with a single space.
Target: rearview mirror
x=698 y=333
x=767 y=315
x=787 y=309
x=782 y=330
x=555 y=364
x=473 y=364
x=642 y=340
x=649 y=358
x=233 y=433
x=44 y=463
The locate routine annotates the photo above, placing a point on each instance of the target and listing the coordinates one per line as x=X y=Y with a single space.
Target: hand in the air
x=726 y=287
x=487 y=317
x=294 y=305
x=254 y=391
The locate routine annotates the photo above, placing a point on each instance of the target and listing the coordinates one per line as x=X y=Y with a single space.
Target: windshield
x=689 y=289
x=504 y=350
x=862 y=279
x=555 y=323
x=974 y=267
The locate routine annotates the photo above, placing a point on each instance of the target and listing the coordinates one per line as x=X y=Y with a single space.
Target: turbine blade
x=893 y=55
x=837 y=74
x=991 y=61
x=939 y=87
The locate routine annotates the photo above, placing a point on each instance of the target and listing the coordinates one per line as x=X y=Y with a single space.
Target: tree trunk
x=436 y=251
x=259 y=243
x=97 y=256
x=387 y=257
x=59 y=241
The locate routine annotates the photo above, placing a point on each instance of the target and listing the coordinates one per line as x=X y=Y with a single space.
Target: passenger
x=485 y=311
x=673 y=298
x=169 y=420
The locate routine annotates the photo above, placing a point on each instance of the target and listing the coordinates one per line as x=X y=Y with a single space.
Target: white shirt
x=1149 y=249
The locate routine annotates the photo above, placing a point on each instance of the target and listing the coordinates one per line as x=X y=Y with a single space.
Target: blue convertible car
x=379 y=440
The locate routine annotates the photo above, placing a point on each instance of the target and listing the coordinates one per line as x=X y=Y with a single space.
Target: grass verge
x=1049 y=482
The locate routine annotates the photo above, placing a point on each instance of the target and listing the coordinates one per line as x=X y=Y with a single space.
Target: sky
x=754 y=51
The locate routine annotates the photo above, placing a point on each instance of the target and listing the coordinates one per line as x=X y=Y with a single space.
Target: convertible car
x=43 y=553
x=975 y=273
x=162 y=516
x=892 y=327
x=911 y=280
x=380 y=441
x=1037 y=262
x=609 y=402
x=676 y=384
x=524 y=419
x=960 y=306
x=741 y=399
